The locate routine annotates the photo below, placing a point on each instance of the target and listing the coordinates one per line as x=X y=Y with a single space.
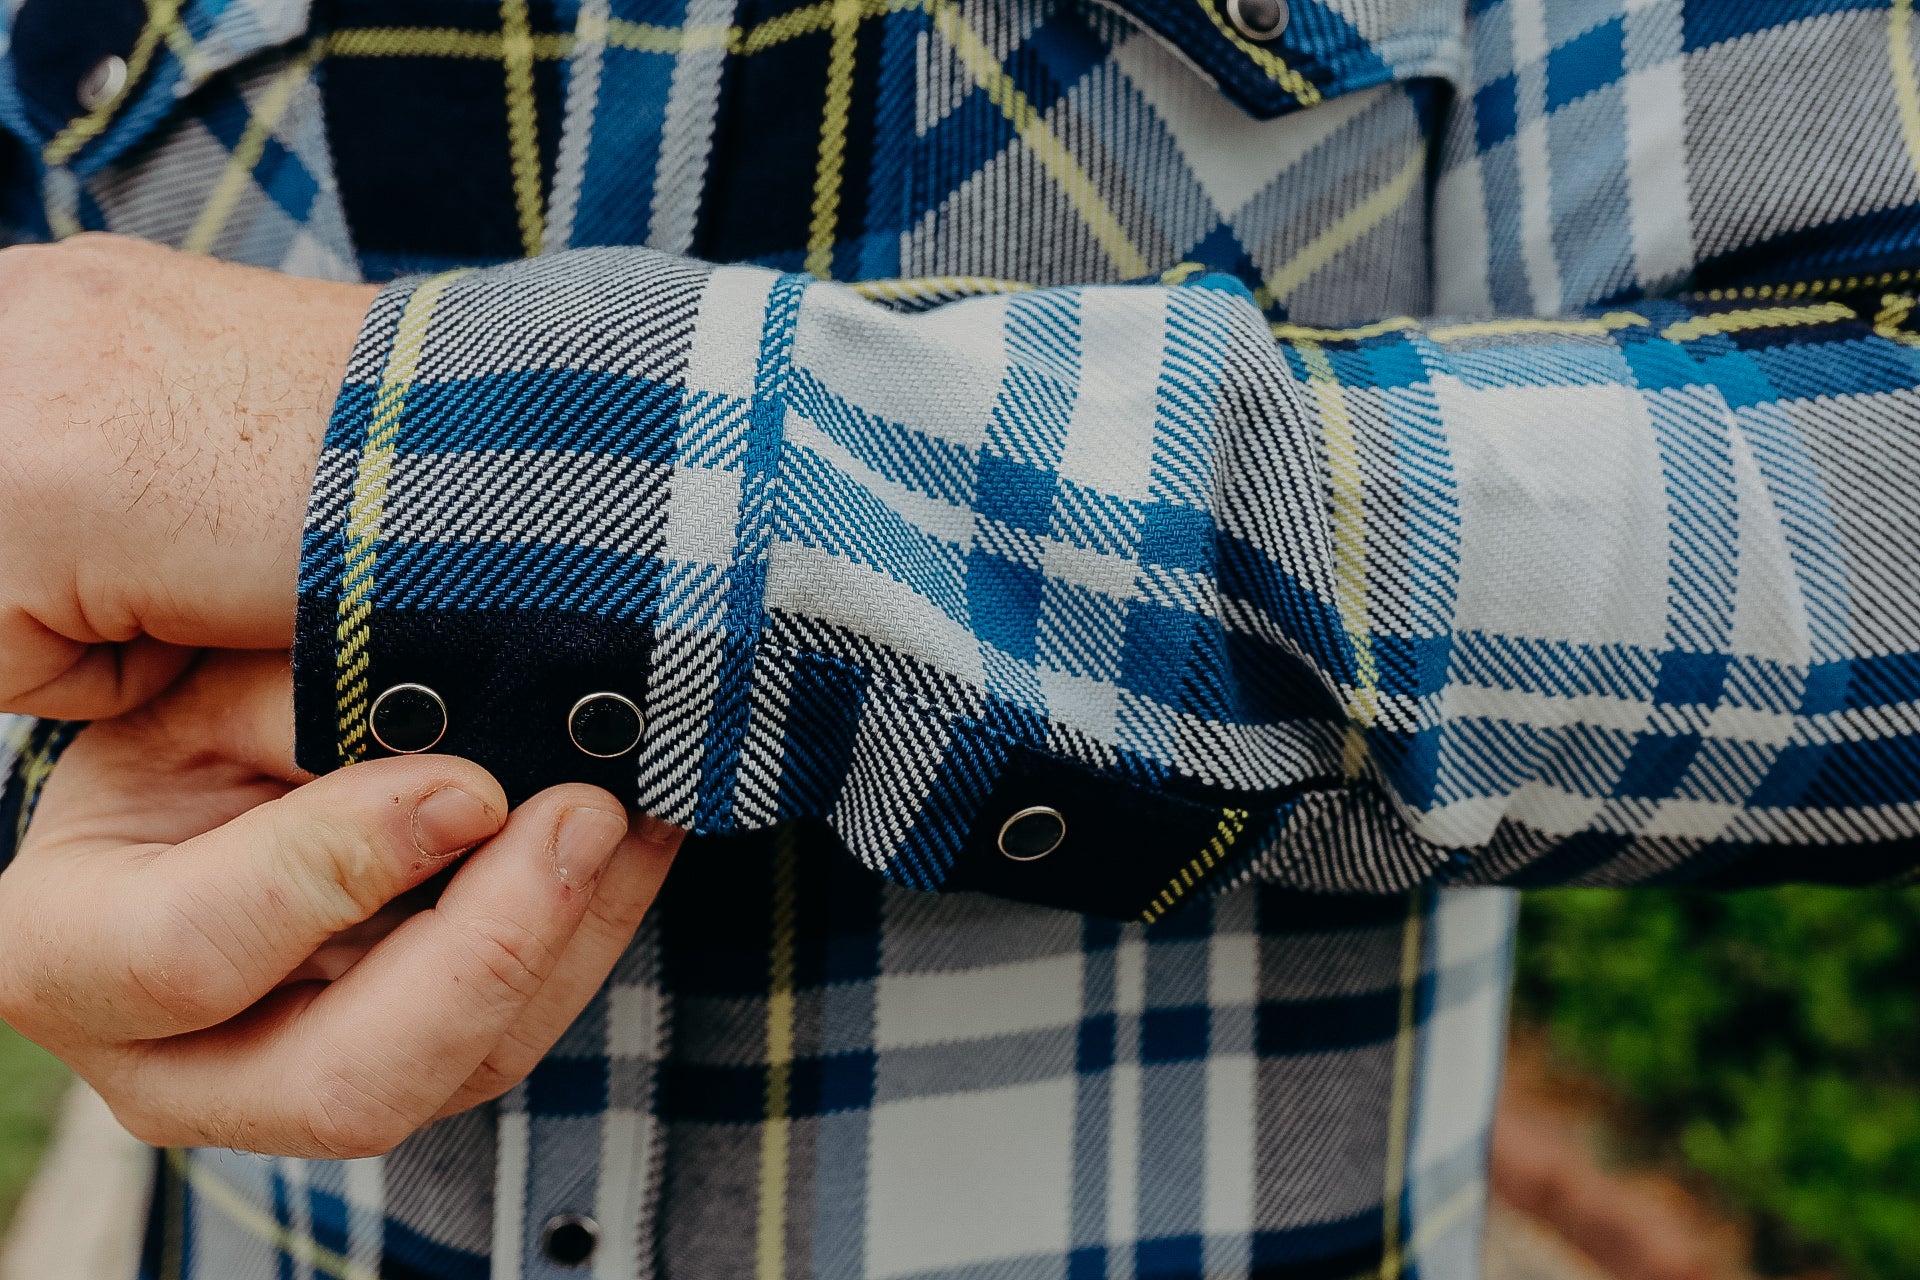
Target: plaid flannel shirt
x=929 y=408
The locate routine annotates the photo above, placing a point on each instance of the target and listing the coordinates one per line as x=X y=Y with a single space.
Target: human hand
x=172 y=920
x=161 y=415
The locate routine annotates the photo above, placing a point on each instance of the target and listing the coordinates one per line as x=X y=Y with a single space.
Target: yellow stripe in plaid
x=1466 y=332
x=1349 y=548
x=1758 y=318
x=937 y=288
x=1906 y=89
x=178 y=38
x=301 y=1248
x=815 y=17
x=1346 y=230
x=1392 y=1260
x=833 y=138
x=261 y=122
x=1895 y=310
x=366 y=510
x=1804 y=288
x=770 y=1244
x=516 y=47
x=33 y=768
x=1232 y=823
x=439 y=42
x=1026 y=120
x=639 y=37
x=1587 y=326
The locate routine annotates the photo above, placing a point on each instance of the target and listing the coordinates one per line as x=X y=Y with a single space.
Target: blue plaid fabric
x=930 y=409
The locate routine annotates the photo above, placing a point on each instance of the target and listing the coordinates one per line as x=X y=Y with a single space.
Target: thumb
x=352 y=1068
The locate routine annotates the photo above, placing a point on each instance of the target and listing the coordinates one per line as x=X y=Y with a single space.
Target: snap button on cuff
x=604 y=725
x=1259 y=20
x=569 y=1240
x=1032 y=833
x=407 y=718
x=102 y=84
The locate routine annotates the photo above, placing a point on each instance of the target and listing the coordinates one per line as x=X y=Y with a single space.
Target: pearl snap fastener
x=1260 y=20
x=102 y=84
x=604 y=725
x=407 y=718
x=569 y=1240
x=1032 y=833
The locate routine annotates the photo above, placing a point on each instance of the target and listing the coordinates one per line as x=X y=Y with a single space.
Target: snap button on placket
x=569 y=1240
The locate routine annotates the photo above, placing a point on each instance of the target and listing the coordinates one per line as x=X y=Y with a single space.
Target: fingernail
x=584 y=844
x=449 y=820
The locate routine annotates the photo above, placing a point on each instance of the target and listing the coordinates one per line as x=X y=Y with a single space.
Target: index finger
x=352 y=1069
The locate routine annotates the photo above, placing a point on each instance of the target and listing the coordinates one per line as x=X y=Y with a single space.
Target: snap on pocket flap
x=1271 y=57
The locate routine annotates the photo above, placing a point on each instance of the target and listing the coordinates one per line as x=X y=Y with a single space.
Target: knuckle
x=615 y=914
x=341 y=869
x=511 y=1061
x=23 y=1007
x=18 y=999
x=492 y=1080
x=513 y=956
x=184 y=972
x=125 y=1085
x=345 y=1120
x=145 y=1126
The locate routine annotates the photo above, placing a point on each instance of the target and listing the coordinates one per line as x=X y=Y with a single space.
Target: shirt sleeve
x=1098 y=596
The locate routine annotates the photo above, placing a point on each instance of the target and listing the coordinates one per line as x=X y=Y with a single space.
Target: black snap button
x=1032 y=833
x=1258 y=19
x=407 y=718
x=569 y=1240
x=604 y=725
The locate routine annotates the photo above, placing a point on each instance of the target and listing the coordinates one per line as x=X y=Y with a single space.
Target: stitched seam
x=1303 y=89
x=1802 y=288
x=1232 y=823
x=1764 y=318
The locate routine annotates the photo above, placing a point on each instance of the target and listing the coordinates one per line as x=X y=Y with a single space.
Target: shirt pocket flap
x=84 y=80
x=1318 y=48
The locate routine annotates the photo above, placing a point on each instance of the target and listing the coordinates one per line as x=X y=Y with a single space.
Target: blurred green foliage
x=1770 y=1039
x=31 y=1082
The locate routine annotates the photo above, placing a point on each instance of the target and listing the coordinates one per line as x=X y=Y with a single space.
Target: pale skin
x=232 y=953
